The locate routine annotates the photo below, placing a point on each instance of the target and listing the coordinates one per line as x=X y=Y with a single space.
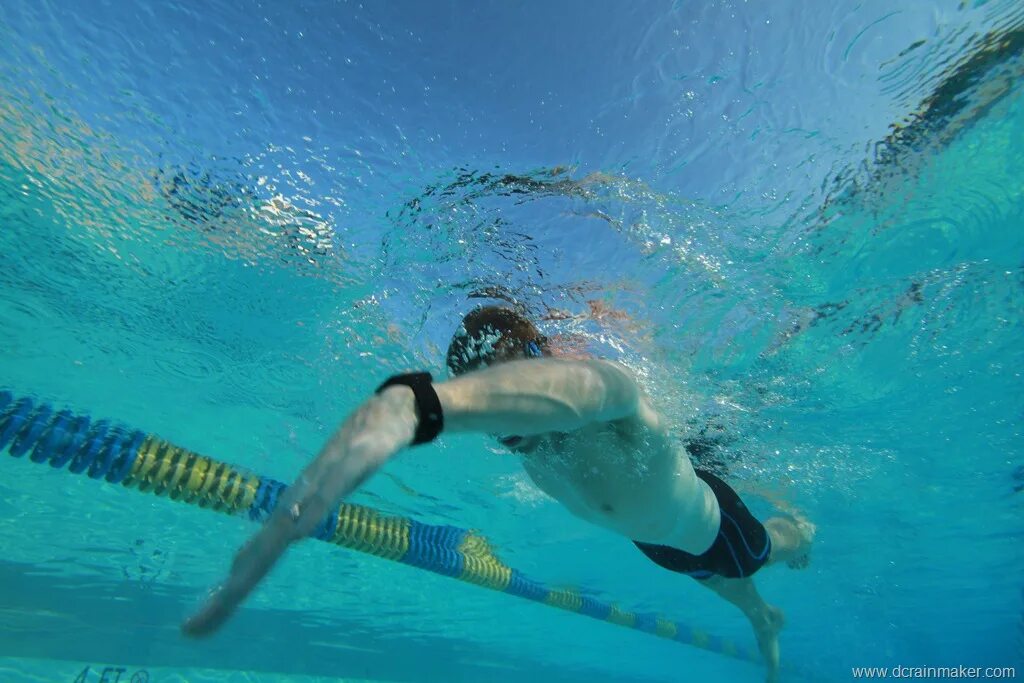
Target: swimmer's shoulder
x=646 y=417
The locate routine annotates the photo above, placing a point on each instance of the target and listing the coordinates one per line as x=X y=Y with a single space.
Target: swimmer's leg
x=766 y=619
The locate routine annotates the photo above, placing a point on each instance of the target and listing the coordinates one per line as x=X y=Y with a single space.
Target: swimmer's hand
x=376 y=431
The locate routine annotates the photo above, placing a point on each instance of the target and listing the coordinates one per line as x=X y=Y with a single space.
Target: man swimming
x=589 y=438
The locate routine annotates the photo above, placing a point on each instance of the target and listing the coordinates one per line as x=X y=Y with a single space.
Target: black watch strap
x=428 y=405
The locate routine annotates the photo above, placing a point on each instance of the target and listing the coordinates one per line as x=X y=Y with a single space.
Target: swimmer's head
x=493 y=334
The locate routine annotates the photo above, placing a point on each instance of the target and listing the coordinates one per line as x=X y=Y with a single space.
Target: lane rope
x=134 y=459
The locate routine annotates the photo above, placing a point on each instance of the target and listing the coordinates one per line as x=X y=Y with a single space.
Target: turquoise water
x=842 y=296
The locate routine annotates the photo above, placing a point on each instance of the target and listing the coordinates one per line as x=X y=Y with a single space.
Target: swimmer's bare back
x=524 y=398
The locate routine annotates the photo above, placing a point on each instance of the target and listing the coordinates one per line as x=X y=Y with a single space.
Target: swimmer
x=588 y=437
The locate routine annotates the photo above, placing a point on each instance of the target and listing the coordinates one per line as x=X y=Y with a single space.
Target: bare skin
x=590 y=439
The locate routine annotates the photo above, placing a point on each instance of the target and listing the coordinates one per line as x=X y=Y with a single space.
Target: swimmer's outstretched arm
x=519 y=397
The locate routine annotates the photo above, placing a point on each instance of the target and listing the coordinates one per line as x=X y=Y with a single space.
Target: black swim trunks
x=740 y=549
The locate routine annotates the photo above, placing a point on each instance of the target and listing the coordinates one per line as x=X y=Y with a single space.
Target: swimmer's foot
x=802 y=553
x=768 y=622
x=792 y=536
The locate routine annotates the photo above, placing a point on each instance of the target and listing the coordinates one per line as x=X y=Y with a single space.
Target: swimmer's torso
x=626 y=476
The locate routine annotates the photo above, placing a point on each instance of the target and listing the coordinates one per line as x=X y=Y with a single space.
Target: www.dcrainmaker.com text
x=1004 y=672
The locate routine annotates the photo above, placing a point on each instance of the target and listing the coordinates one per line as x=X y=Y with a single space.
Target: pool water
x=227 y=224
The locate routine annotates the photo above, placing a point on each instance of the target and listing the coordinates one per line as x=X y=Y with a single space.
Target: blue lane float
x=135 y=459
